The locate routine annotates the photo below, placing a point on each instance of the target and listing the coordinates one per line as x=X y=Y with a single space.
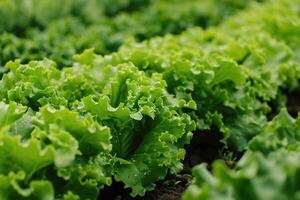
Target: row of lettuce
x=270 y=168
x=18 y=15
x=60 y=30
x=129 y=114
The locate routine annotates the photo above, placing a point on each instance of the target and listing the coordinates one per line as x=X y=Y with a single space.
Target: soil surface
x=293 y=103
x=169 y=189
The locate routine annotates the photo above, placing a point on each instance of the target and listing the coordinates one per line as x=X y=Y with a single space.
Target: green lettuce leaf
x=255 y=177
x=91 y=137
x=282 y=132
x=29 y=156
x=142 y=120
x=12 y=187
x=10 y=113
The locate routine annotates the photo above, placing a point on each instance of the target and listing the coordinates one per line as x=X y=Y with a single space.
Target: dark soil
x=293 y=103
x=204 y=147
x=169 y=189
